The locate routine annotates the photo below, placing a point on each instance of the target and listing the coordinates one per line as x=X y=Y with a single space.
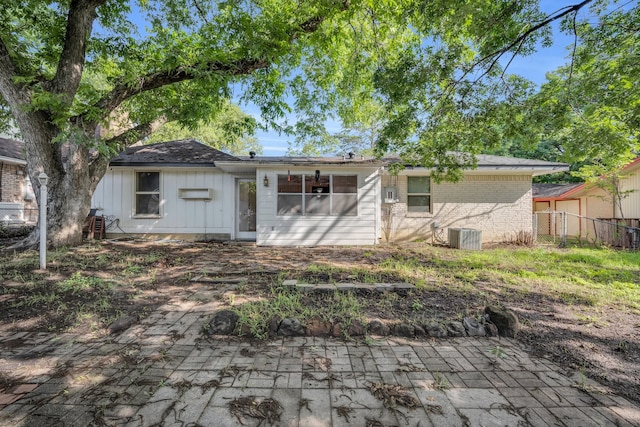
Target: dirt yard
x=85 y=289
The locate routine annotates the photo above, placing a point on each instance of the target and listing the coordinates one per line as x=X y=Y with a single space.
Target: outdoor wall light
x=265 y=181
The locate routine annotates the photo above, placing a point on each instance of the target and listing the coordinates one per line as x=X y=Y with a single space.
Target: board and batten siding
x=631 y=203
x=202 y=219
x=313 y=230
x=499 y=205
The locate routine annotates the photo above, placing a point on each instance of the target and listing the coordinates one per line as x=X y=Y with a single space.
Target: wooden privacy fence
x=618 y=232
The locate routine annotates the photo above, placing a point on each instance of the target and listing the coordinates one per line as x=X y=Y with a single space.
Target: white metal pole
x=43 y=178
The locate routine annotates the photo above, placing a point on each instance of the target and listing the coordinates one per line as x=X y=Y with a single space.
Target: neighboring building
x=585 y=202
x=17 y=201
x=184 y=189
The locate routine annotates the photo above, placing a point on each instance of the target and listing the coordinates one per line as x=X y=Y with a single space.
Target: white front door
x=246 y=209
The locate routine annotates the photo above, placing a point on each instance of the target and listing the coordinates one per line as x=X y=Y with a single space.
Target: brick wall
x=498 y=205
x=14 y=179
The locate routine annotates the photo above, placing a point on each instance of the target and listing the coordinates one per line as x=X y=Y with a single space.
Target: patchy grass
x=86 y=287
x=451 y=284
x=593 y=277
x=280 y=303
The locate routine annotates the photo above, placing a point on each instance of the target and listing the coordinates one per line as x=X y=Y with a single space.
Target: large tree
x=232 y=132
x=71 y=69
x=591 y=106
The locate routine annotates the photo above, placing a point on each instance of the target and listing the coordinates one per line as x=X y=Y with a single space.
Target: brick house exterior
x=17 y=201
x=499 y=205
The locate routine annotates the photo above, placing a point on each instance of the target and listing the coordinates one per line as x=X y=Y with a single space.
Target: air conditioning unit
x=465 y=238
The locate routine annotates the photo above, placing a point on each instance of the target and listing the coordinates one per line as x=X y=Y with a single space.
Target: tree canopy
x=232 y=132
x=70 y=68
x=591 y=106
x=587 y=111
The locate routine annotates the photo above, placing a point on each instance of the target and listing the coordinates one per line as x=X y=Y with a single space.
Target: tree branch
x=119 y=143
x=497 y=54
x=123 y=91
x=80 y=19
x=8 y=71
x=135 y=134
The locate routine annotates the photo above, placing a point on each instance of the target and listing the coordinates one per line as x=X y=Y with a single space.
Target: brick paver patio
x=164 y=372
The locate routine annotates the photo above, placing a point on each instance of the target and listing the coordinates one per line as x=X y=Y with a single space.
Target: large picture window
x=147 y=194
x=418 y=194
x=318 y=195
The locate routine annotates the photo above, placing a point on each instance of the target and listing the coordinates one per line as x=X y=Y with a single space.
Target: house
x=184 y=189
x=17 y=200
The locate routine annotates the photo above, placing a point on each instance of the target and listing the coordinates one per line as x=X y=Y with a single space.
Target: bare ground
x=600 y=341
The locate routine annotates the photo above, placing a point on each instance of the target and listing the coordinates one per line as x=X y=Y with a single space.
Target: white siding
x=631 y=203
x=362 y=229
x=204 y=218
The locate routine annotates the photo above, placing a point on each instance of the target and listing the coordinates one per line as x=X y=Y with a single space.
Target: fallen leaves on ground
x=393 y=395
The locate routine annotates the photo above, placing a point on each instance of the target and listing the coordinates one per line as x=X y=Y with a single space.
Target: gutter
x=12 y=161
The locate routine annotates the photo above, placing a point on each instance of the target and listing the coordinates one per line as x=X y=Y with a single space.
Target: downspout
x=1 y=175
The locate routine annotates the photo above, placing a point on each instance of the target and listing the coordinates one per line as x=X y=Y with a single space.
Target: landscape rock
x=223 y=322
x=473 y=327
x=455 y=329
x=492 y=330
x=291 y=328
x=274 y=325
x=245 y=330
x=356 y=329
x=404 y=330
x=337 y=330
x=418 y=331
x=377 y=327
x=436 y=330
x=121 y=324
x=317 y=327
x=505 y=320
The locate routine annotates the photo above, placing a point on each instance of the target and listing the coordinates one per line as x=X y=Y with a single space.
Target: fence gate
x=550 y=228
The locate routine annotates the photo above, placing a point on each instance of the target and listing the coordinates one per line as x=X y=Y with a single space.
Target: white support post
x=565 y=226
x=43 y=178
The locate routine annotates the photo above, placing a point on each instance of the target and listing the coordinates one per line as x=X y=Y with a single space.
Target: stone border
x=497 y=321
x=347 y=287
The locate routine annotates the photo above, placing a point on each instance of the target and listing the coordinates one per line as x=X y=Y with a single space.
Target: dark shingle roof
x=552 y=190
x=492 y=161
x=11 y=148
x=185 y=152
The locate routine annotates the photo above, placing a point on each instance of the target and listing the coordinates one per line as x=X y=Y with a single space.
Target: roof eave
x=12 y=160
x=161 y=164
x=251 y=164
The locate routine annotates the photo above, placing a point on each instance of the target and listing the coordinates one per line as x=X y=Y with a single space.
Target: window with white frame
x=318 y=195
x=418 y=194
x=147 y=196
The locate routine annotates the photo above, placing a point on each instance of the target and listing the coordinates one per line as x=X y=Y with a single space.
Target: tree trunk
x=70 y=186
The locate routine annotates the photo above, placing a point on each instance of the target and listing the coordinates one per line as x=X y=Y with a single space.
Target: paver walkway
x=163 y=372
